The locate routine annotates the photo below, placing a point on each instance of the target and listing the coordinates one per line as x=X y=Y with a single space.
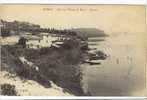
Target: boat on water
x=92 y=62
x=94 y=57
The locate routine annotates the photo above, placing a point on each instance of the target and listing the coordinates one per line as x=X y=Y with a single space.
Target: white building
x=43 y=40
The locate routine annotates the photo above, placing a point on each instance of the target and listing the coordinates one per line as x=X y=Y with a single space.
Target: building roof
x=44 y=34
x=32 y=37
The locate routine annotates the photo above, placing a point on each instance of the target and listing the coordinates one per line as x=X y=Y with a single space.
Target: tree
x=5 y=32
x=22 y=41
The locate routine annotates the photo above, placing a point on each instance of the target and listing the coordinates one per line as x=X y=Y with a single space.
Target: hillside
x=30 y=87
x=60 y=68
x=89 y=32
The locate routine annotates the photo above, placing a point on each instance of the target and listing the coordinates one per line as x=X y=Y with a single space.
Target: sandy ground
x=31 y=88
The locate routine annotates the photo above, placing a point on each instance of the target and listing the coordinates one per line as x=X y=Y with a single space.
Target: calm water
x=122 y=73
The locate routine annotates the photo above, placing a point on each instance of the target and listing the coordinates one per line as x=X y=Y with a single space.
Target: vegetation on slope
x=61 y=65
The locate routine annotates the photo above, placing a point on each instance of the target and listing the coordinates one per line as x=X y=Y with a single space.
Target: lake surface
x=123 y=72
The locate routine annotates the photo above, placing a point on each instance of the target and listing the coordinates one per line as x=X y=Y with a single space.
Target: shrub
x=9 y=90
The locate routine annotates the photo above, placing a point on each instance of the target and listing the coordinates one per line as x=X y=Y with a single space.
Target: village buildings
x=45 y=40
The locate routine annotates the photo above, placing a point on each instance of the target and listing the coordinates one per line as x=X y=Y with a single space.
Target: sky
x=110 y=18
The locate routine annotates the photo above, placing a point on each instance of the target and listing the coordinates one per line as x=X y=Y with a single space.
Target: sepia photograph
x=73 y=50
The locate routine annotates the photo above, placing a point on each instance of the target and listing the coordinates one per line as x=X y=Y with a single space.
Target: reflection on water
x=122 y=73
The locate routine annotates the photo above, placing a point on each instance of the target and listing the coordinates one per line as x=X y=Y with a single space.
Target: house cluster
x=44 y=40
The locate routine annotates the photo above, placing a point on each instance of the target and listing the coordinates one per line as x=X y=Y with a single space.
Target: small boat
x=96 y=55
x=92 y=62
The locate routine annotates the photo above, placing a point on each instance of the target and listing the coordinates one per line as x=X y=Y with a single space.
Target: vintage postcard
x=73 y=50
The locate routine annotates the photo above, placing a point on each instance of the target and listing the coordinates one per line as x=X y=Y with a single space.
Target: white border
x=138 y=2
x=70 y=97
x=130 y=2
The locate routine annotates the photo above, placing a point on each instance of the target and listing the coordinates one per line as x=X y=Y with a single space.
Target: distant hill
x=90 y=32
